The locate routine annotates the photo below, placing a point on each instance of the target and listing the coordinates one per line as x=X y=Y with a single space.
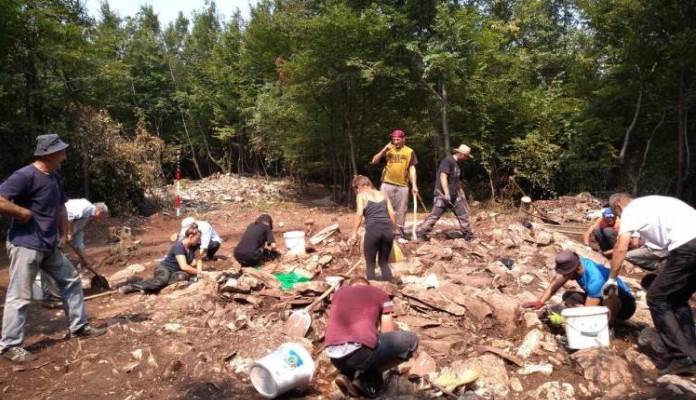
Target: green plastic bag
x=290 y=279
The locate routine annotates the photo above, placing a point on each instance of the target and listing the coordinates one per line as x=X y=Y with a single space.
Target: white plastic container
x=587 y=326
x=295 y=242
x=37 y=292
x=289 y=367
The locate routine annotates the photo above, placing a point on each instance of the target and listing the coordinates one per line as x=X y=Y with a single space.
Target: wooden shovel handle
x=329 y=290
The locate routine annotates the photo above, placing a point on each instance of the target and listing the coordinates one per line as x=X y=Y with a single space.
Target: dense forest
x=564 y=95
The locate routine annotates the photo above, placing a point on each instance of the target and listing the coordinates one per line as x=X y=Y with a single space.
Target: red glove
x=536 y=304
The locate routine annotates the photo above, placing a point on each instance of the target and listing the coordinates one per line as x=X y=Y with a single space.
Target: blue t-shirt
x=43 y=195
x=178 y=249
x=594 y=277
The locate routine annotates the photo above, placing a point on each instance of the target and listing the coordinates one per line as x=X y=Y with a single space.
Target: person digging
x=591 y=277
x=257 y=244
x=361 y=338
x=180 y=264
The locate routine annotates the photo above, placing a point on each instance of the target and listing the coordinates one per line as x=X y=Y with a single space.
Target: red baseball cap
x=398 y=133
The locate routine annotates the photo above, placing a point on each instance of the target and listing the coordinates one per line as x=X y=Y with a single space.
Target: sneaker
x=346 y=386
x=402 y=240
x=18 y=354
x=681 y=366
x=88 y=332
x=422 y=237
x=469 y=236
x=371 y=385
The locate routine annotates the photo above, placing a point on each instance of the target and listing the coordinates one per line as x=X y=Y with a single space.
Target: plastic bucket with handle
x=586 y=326
x=289 y=367
x=295 y=242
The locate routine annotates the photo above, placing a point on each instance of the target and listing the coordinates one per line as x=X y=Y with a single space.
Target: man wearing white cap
x=449 y=195
x=33 y=196
x=210 y=240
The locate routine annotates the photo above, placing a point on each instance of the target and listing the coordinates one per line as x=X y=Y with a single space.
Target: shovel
x=98 y=282
x=415 y=218
x=300 y=321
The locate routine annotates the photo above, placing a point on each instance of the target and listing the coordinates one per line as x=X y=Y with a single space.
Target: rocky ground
x=461 y=298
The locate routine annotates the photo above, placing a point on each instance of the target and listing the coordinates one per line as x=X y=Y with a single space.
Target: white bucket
x=289 y=367
x=295 y=242
x=37 y=292
x=587 y=326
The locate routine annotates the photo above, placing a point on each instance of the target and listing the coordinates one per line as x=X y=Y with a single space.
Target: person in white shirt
x=669 y=224
x=210 y=240
x=80 y=212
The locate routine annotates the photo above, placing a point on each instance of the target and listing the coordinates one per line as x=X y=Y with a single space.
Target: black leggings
x=378 y=244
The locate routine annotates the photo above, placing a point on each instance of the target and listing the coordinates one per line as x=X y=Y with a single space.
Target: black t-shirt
x=255 y=236
x=449 y=166
x=178 y=249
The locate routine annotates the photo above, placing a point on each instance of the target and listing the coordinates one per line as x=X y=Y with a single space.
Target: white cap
x=186 y=222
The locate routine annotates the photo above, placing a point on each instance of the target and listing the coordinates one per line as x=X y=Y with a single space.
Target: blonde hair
x=361 y=181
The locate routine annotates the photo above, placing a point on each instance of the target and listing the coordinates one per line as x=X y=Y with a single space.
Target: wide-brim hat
x=566 y=262
x=463 y=149
x=49 y=144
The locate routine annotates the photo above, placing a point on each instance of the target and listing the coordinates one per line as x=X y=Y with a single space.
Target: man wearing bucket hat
x=360 y=350
x=668 y=224
x=210 y=240
x=33 y=196
x=604 y=230
x=449 y=195
x=400 y=168
x=591 y=277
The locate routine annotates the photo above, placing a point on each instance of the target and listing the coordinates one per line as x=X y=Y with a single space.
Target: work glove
x=610 y=287
x=536 y=304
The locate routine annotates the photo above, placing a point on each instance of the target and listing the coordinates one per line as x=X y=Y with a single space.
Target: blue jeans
x=25 y=263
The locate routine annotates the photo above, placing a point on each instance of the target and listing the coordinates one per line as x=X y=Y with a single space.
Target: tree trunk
x=641 y=169
x=627 y=136
x=445 y=124
x=681 y=134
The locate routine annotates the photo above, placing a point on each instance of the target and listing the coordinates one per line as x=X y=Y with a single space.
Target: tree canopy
x=565 y=95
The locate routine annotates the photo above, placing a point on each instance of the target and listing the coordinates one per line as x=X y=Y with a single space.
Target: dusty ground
x=197 y=357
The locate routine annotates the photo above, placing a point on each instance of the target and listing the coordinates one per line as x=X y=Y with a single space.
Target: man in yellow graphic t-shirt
x=400 y=168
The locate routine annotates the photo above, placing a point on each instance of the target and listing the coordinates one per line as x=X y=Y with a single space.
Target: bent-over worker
x=210 y=240
x=257 y=244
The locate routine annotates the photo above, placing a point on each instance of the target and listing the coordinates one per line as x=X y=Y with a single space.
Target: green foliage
x=542 y=89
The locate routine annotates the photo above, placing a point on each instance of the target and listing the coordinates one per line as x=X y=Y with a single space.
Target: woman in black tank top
x=379 y=217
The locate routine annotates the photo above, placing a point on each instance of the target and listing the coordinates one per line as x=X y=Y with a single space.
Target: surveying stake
x=177 y=196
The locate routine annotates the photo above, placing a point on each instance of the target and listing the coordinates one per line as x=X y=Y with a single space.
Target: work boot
x=18 y=354
x=88 y=332
x=127 y=289
x=346 y=387
x=680 y=366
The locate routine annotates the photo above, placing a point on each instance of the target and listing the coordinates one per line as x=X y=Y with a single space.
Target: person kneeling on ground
x=377 y=211
x=355 y=345
x=591 y=278
x=604 y=230
x=210 y=240
x=257 y=244
x=180 y=264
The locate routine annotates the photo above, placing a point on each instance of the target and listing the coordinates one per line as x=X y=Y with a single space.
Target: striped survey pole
x=177 y=195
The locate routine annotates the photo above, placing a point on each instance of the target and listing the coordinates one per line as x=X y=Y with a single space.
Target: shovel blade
x=100 y=283
x=298 y=323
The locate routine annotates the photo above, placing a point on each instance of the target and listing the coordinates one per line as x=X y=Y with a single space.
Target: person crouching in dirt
x=377 y=212
x=210 y=240
x=180 y=264
x=591 y=277
x=257 y=244
x=361 y=339
x=604 y=230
